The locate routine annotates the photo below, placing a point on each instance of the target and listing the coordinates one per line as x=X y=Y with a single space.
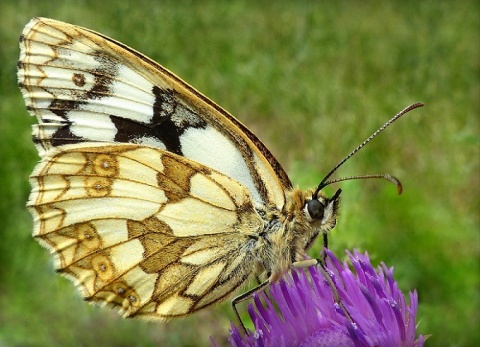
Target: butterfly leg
x=325 y=246
x=259 y=282
x=245 y=296
x=336 y=296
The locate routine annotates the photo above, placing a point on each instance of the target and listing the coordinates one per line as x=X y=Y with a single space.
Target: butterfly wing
x=143 y=229
x=83 y=86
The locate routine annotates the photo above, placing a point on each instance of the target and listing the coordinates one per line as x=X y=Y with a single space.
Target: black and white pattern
x=84 y=87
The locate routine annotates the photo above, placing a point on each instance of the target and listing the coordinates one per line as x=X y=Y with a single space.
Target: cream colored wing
x=85 y=87
x=143 y=229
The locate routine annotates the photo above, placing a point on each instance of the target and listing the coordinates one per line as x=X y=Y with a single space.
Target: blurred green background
x=312 y=80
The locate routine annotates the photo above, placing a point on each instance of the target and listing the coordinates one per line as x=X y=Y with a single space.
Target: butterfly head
x=322 y=209
x=311 y=215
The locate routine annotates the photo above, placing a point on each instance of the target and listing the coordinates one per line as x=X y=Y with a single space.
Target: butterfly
x=151 y=197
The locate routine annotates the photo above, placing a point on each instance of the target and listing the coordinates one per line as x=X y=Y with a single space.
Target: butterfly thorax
x=288 y=233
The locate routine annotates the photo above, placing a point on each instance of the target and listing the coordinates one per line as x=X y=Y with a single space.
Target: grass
x=312 y=80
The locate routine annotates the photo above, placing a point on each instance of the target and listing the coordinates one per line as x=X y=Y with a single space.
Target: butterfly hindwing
x=146 y=230
x=83 y=87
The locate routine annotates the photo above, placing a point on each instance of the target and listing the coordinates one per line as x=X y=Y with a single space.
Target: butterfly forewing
x=146 y=230
x=83 y=87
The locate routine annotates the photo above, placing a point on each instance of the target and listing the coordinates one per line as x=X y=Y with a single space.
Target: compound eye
x=315 y=209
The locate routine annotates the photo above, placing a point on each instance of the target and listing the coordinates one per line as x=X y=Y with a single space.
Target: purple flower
x=307 y=315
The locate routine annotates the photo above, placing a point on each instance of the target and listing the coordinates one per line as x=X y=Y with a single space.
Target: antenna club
x=392 y=179
x=399 y=188
x=413 y=106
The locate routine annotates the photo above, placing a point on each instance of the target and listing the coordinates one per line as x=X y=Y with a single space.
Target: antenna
x=325 y=182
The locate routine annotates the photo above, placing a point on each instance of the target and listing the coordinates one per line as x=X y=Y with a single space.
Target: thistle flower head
x=300 y=309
